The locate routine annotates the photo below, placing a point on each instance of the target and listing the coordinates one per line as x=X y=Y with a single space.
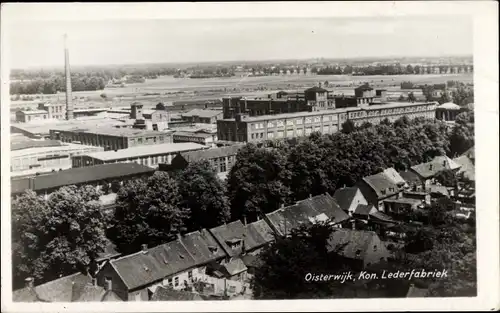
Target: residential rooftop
x=146 y=150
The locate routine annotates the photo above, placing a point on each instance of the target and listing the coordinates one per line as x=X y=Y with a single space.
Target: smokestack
x=67 y=71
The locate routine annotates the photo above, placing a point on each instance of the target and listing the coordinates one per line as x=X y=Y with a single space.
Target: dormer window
x=213 y=249
x=181 y=256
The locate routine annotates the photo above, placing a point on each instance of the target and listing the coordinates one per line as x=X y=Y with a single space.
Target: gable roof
x=202 y=246
x=385 y=183
x=143 y=268
x=410 y=177
x=231 y=232
x=76 y=176
x=344 y=196
x=88 y=292
x=233 y=267
x=321 y=207
x=58 y=290
x=194 y=156
x=466 y=167
x=352 y=244
x=438 y=164
x=260 y=233
x=166 y=294
x=364 y=209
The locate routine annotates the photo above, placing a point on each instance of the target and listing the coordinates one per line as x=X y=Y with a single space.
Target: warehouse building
x=109 y=138
x=32 y=157
x=145 y=155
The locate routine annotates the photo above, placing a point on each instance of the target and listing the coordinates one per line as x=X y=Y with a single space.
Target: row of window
x=290 y=122
x=291 y=133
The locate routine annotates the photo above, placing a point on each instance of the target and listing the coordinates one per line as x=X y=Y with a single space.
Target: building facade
x=41 y=159
x=110 y=138
x=200 y=137
x=205 y=116
x=150 y=156
x=245 y=128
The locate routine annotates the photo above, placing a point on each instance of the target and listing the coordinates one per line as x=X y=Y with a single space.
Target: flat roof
x=146 y=150
x=388 y=105
x=30 y=112
x=108 y=130
x=44 y=126
x=61 y=147
x=193 y=134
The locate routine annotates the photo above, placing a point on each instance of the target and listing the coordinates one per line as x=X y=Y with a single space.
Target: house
x=401 y=206
x=423 y=196
x=412 y=180
x=177 y=264
x=168 y=294
x=348 y=198
x=319 y=208
x=72 y=288
x=467 y=169
x=221 y=159
x=237 y=239
x=384 y=185
x=370 y=213
x=360 y=248
x=234 y=269
x=427 y=171
x=252 y=262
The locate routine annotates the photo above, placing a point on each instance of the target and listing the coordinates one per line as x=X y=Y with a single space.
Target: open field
x=169 y=89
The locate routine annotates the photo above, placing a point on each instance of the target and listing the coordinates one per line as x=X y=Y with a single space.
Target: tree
x=428 y=92
x=115 y=186
x=148 y=211
x=444 y=98
x=447 y=178
x=411 y=97
x=348 y=127
x=58 y=236
x=202 y=191
x=258 y=182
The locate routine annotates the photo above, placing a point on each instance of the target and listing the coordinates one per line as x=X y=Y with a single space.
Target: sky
x=40 y=44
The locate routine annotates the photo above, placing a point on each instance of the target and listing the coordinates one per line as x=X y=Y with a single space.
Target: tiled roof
x=321 y=207
x=75 y=176
x=167 y=294
x=364 y=209
x=34 y=144
x=344 y=196
x=59 y=290
x=202 y=113
x=383 y=184
x=351 y=244
x=202 y=246
x=381 y=216
x=260 y=234
x=233 y=267
x=193 y=156
x=466 y=167
x=410 y=177
x=88 y=292
x=143 y=268
x=438 y=164
x=229 y=232
x=438 y=189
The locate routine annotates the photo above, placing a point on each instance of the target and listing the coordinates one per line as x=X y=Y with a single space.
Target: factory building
x=108 y=137
x=31 y=157
x=245 y=128
x=145 y=155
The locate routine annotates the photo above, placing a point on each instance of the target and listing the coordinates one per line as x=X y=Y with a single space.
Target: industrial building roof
x=146 y=150
x=389 y=105
x=31 y=112
x=192 y=134
x=194 y=156
x=202 y=113
x=76 y=176
x=34 y=144
x=64 y=147
x=109 y=131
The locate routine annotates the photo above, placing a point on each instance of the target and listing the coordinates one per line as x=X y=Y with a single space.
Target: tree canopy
x=148 y=211
x=58 y=236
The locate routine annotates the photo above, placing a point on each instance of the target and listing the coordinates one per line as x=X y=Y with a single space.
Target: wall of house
x=357 y=200
x=118 y=286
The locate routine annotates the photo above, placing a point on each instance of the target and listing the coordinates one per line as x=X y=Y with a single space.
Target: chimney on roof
x=29 y=282
x=310 y=196
x=244 y=220
x=94 y=281
x=108 y=283
x=144 y=248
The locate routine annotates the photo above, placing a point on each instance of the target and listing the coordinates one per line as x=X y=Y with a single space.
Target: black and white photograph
x=203 y=158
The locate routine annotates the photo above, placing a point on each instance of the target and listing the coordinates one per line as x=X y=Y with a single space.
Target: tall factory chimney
x=67 y=71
